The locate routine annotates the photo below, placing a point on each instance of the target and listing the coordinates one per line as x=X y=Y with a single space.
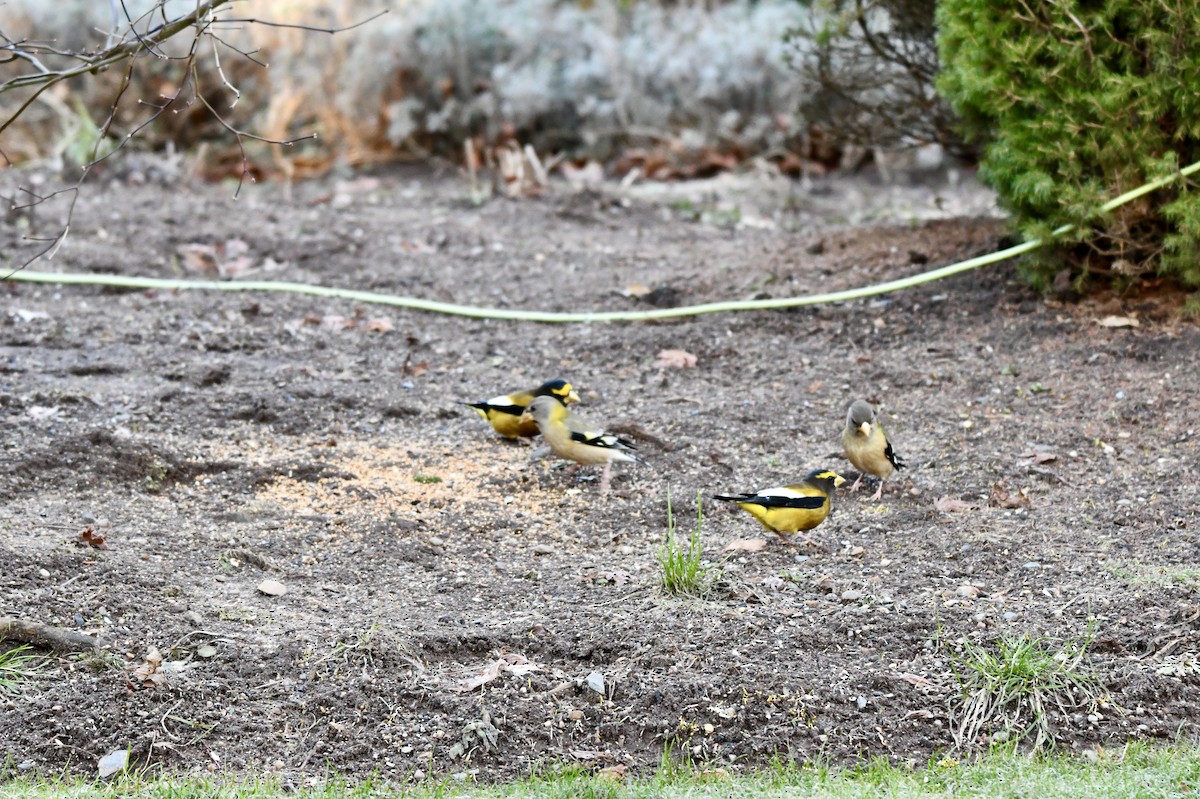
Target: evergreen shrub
x=1076 y=103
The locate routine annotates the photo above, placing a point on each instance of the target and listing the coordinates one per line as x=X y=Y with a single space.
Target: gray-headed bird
x=571 y=438
x=867 y=446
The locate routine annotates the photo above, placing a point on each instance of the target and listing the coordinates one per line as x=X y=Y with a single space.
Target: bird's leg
x=878 y=492
x=785 y=538
x=856 y=482
x=604 y=478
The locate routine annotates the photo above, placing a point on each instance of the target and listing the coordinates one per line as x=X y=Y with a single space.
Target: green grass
x=1011 y=690
x=15 y=668
x=682 y=573
x=1135 y=771
x=1161 y=576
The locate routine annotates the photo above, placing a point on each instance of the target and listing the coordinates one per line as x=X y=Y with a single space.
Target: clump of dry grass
x=1011 y=692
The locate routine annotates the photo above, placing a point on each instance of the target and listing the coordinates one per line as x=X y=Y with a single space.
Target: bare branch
x=240 y=136
x=112 y=55
x=268 y=23
x=129 y=40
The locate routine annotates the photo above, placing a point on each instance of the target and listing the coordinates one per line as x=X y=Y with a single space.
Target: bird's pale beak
x=572 y=397
x=838 y=480
x=865 y=427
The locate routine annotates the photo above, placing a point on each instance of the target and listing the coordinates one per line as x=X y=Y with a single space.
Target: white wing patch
x=782 y=491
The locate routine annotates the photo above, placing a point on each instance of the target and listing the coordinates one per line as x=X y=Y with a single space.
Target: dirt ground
x=214 y=441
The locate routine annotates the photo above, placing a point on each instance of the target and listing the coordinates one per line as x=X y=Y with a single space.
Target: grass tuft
x=683 y=573
x=1133 y=770
x=1010 y=691
x=16 y=667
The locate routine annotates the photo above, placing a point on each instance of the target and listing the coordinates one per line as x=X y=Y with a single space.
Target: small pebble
x=543 y=549
x=595 y=681
x=272 y=588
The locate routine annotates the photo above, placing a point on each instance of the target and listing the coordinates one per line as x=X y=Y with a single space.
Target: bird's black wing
x=891 y=455
x=776 y=501
x=602 y=440
x=514 y=410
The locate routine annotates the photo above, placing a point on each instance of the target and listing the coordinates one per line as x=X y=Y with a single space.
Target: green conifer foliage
x=1077 y=102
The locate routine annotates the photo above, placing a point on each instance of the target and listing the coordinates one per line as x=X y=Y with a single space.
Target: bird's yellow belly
x=786 y=520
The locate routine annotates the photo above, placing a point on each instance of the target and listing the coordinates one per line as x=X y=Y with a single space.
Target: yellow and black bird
x=504 y=413
x=571 y=438
x=791 y=509
x=867 y=446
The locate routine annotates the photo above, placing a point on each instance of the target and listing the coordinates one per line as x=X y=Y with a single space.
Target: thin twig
x=313 y=28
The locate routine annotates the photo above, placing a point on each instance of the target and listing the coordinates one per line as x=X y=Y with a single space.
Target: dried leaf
x=615 y=773
x=1001 y=498
x=235 y=266
x=509 y=662
x=478 y=677
x=89 y=537
x=675 y=359
x=953 y=505
x=1118 y=321
x=147 y=673
x=335 y=322
x=912 y=679
x=614 y=576
x=518 y=664
x=824 y=582
x=378 y=325
x=200 y=259
x=746 y=545
x=413 y=369
x=234 y=248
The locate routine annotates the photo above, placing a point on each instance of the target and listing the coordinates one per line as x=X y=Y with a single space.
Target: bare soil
x=215 y=441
